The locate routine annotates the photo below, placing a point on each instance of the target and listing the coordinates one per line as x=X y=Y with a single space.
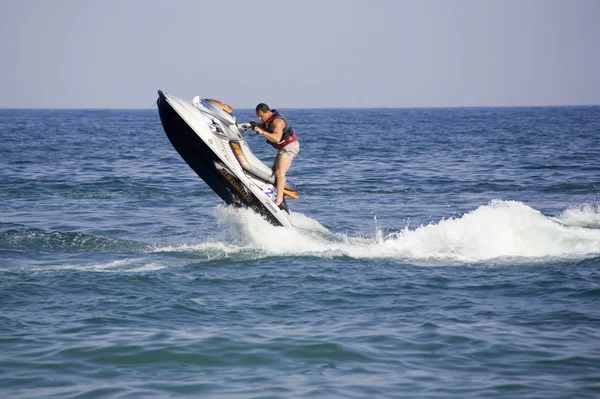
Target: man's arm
x=275 y=137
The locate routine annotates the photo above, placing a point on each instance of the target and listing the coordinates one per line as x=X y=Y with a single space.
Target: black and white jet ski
x=204 y=132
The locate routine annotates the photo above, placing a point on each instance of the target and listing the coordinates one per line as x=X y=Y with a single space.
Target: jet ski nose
x=161 y=97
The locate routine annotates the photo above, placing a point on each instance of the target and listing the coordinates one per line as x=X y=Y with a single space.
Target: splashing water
x=501 y=229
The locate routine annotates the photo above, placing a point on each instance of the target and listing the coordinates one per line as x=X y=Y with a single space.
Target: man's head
x=263 y=112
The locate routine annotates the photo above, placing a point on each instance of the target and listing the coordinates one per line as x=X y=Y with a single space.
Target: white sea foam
x=587 y=215
x=121 y=265
x=501 y=229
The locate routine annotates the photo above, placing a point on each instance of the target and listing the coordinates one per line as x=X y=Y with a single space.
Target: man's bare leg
x=281 y=166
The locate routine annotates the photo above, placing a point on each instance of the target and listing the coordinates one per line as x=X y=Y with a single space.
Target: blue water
x=437 y=253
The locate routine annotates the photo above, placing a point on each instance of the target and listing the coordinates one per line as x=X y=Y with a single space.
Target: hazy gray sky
x=304 y=53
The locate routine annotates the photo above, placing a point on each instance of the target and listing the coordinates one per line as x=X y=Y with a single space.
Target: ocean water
x=436 y=253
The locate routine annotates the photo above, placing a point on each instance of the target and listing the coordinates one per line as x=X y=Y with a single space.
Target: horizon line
x=301 y=108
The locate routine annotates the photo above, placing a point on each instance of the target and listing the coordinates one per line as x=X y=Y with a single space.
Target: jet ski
x=205 y=134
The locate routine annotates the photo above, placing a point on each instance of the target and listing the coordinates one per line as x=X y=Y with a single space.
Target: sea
x=435 y=253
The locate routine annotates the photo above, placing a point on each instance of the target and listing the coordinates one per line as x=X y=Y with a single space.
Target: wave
x=36 y=240
x=500 y=230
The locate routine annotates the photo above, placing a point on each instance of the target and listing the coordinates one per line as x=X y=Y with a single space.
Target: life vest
x=288 y=135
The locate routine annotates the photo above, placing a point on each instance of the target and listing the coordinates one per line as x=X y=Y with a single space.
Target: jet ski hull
x=208 y=165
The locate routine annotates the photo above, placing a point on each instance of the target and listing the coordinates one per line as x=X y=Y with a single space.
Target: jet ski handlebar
x=245 y=126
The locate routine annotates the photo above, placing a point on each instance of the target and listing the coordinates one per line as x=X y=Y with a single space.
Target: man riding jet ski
x=282 y=137
x=205 y=134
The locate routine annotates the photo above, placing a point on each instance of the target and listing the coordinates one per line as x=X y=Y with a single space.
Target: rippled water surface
x=437 y=253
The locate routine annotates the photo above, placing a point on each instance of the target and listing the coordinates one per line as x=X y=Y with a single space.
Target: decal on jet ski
x=270 y=192
x=236 y=184
x=225 y=107
x=240 y=155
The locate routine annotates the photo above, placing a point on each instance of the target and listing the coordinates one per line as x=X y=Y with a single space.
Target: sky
x=300 y=54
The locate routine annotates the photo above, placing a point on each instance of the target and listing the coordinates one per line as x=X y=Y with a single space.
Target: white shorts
x=290 y=151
